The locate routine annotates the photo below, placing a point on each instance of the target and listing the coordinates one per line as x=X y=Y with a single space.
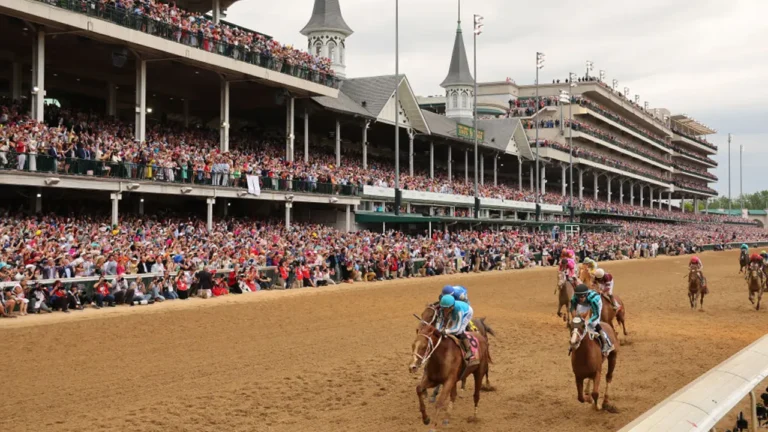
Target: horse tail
x=488 y=328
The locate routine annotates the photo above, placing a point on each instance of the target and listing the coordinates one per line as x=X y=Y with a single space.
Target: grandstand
x=145 y=104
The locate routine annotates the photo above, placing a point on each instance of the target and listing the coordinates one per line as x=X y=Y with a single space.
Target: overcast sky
x=706 y=58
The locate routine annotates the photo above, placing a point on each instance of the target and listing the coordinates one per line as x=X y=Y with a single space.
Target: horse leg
x=691 y=300
x=559 y=309
x=588 y=391
x=701 y=307
x=448 y=388
x=478 y=382
x=608 y=379
x=463 y=383
x=433 y=398
x=751 y=296
x=421 y=392
x=596 y=388
x=580 y=389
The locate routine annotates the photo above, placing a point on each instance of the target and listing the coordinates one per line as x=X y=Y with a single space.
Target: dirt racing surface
x=335 y=359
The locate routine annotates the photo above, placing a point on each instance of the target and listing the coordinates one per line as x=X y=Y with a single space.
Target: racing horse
x=755 y=285
x=443 y=363
x=565 y=291
x=430 y=316
x=608 y=313
x=587 y=362
x=696 y=289
x=585 y=276
x=743 y=261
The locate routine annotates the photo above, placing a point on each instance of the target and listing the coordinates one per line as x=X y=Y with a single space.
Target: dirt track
x=336 y=359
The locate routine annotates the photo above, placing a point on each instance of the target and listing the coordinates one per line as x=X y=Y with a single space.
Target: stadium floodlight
x=572 y=80
x=149 y=110
x=615 y=84
x=590 y=66
x=540 y=57
x=645 y=105
x=637 y=98
x=602 y=75
x=478 y=24
x=564 y=96
x=626 y=92
x=539 y=64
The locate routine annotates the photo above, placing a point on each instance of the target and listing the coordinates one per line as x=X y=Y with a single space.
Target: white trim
x=577 y=134
x=625 y=129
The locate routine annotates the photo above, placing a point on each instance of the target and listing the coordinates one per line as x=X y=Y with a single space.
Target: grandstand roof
x=458 y=71
x=697 y=127
x=326 y=15
x=441 y=125
x=372 y=93
x=498 y=132
x=343 y=104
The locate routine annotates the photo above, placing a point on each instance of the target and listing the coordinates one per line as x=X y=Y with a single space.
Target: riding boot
x=606 y=345
x=613 y=302
x=468 y=352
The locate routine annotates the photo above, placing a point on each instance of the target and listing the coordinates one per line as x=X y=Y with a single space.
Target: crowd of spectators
x=168 y=20
x=697 y=186
x=160 y=258
x=701 y=140
x=694 y=169
x=693 y=155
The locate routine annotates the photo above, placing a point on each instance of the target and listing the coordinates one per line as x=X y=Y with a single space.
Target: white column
x=141 y=100
x=669 y=201
x=185 y=108
x=543 y=179
x=224 y=117
x=431 y=160
x=338 y=143
x=581 y=184
x=650 y=197
x=291 y=131
x=365 y=143
x=450 y=163
x=216 y=10
x=608 y=180
x=466 y=166
x=209 y=217
x=562 y=178
x=660 y=199
x=115 y=197
x=495 y=170
x=631 y=193
x=682 y=203
x=111 y=99
x=519 y=173
x=38 y=76
x=288 y=207
x=641 y=194
x=482 y=169
x=621 y=192
x=306 y=139
x=695 y=205
x=16 y=80
x=595 y=184
x=530 y=177
x=349 y=218
x=411 y=135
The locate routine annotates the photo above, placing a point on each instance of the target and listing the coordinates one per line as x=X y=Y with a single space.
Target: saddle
x=473 y=344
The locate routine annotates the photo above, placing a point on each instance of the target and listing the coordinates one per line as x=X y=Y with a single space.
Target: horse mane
x=429 y=330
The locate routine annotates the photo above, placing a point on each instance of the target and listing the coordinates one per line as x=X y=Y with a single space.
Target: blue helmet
x=448 y=290
x=744 y=246
x=447 y=301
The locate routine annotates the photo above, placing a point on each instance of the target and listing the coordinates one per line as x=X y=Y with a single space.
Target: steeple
x=458 y=72
x=326 y=32
x=459 y=84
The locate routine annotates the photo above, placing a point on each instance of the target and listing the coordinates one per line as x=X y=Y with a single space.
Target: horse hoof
x=426 y=421
x=432 y=399
x=446 y=422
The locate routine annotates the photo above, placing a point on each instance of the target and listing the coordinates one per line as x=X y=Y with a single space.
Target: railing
x=179 y=175
x=606 y=162
x=144 y=24
x=606 y=138
x=708 y=191
x=690 y=171
x=692 y=138
x=621 y=120
x=692 y=155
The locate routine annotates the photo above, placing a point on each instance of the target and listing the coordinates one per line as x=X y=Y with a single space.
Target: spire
x=458 y=72
x=326 y=15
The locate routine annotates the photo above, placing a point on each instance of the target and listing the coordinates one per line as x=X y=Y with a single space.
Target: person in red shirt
x=305 y=273
x=59 y=297
x=102 y=293
x=299 y=277
x=181 y=286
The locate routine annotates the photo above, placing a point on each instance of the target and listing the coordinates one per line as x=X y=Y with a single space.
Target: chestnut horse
x=585 y=276
x=608 y=313
x=429 y=316
x=565 y=291
x=696 y=289
x=755 y=285
x=443 y=361
x=743 y=261
x=587 y=362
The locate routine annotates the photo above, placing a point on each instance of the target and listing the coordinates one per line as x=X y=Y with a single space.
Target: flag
x=253 y=185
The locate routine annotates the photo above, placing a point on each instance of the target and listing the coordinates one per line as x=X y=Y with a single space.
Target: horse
x=743 y=261
x=696 y=289
x=755 y=285
x=443 y=363
x=565 y=291
x=429 y=316
x=608 y=313
x=587 y=362
x=585 y=276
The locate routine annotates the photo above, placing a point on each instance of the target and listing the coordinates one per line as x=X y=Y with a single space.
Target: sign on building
x=467 y=132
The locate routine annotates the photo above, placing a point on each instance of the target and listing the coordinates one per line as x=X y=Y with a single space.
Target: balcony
x=676 y=137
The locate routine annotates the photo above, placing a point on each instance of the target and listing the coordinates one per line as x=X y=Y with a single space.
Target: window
x=464 y=100
x=455 y=100
x=341 y=54
x=332 y=51
x=318 y=49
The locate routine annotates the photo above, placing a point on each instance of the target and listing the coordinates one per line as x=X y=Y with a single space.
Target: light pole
x=602 y=76
x=615 y=84
x=589 y=68
x=539 y=65
x=570 y=140
x=478 y=29
x=729 y=174
x=741 y=175
x=397 y=108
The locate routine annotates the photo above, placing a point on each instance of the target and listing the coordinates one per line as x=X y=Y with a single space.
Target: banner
x=254 y=188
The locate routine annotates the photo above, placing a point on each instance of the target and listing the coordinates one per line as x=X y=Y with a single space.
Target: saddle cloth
x=473 y=344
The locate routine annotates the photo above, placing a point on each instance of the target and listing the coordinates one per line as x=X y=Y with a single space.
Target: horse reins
x=431 y=348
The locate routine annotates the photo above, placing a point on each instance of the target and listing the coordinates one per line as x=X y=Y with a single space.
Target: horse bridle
x=431 y=345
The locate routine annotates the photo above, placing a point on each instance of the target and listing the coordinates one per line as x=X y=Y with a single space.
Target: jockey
x=458 y=314
x=698 y=266
x=591 y=265
x=585 y=300
x=605 y=284
x=568 y=266
x=457 y=291
x=744 y=248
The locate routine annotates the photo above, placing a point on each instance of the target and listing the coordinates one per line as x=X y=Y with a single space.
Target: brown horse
x=443 y=361
x=608 y=313
x=429 y=317
x=743 y=261
x=585 y=276
x=587 y=362
x=755 y=285
x=565 y=293
x=696 y=290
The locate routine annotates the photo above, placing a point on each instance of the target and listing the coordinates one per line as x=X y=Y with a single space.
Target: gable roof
x=343 y=104
x=371 y=93
x=458 y=71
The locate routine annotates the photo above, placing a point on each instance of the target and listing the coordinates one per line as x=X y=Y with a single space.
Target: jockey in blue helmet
x=457 y=291
x=585 y=300
x=456 y=316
